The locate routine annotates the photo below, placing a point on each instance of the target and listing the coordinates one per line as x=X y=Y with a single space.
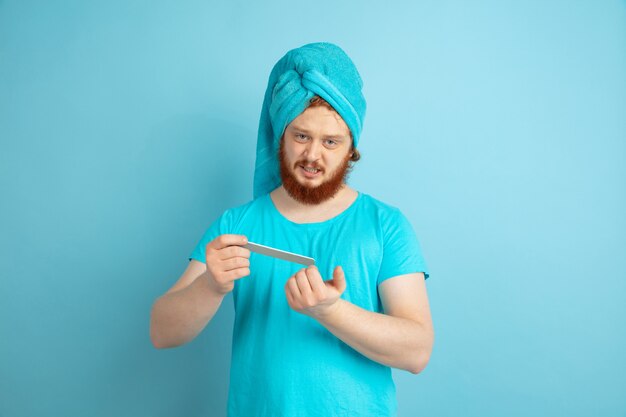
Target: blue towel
x=321 y=69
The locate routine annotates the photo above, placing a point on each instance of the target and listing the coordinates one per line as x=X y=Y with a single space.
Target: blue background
x=498 y=128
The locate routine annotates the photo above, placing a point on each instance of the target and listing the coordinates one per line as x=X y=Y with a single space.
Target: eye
x=331 y=143
x=301 y=137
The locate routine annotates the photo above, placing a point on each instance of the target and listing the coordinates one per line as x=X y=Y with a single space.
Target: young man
x=315 y=341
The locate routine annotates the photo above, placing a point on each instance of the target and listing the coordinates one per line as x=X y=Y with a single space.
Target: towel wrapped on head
x=316 y=69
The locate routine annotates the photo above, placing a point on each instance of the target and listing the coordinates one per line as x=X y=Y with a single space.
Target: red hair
x=317 y=101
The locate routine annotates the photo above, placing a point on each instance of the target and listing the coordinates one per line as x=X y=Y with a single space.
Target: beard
x=310 y=195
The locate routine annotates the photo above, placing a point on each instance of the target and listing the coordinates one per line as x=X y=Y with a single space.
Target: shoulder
x=389 y=219
x=236 y=214
x=383 y=210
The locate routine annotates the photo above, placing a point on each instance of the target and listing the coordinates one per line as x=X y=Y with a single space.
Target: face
x=315 y=155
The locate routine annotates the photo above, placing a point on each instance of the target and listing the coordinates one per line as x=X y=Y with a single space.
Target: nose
x=313 y=151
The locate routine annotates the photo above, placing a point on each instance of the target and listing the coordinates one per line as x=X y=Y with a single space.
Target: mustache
x=304 y=163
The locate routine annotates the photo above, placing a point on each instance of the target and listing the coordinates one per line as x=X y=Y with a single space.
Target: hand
x=227 y=262
x=309 y=294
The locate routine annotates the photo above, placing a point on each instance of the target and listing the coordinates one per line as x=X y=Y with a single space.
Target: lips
x=310 y=174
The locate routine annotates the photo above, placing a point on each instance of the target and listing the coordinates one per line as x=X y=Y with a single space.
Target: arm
x=181 y=313
x=400 y=338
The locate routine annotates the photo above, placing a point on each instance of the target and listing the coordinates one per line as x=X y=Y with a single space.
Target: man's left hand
x=309 y=294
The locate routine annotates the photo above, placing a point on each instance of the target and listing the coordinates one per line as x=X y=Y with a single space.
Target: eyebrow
x=336 y=136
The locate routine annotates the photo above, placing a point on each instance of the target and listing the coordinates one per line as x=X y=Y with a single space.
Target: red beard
x=312 y=195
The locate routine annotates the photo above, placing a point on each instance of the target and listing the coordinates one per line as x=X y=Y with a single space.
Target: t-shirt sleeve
x=402 y=253
x=218 y=227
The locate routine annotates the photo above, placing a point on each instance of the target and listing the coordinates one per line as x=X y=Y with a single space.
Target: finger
x=339 y=279
x=236 y=274
x=235 y=263
x=225 y=240
x=316 y=281
x=293 y=287
x=232 y=252
x=290 y=299
x=303 y=283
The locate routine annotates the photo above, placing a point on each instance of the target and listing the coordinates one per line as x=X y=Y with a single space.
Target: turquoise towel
x=321 y=69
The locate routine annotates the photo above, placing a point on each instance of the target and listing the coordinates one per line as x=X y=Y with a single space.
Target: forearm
x=393 y=341
x=178 y=317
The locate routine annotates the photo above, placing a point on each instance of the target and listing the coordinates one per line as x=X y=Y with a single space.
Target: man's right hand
x=227 y=261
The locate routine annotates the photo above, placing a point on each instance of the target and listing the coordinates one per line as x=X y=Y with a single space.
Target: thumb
x=339 y=279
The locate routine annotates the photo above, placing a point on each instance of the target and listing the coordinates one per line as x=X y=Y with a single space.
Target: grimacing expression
x=314 y=155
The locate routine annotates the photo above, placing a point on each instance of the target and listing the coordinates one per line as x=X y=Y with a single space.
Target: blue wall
x=127 y=127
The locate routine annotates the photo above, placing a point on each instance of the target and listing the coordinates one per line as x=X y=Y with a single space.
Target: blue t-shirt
x=284 y=363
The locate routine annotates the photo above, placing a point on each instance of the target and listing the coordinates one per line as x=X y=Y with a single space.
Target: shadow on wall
x=203 y=160
x=200 y=166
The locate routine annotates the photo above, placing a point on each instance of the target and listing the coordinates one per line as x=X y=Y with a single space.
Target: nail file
x=280 y=254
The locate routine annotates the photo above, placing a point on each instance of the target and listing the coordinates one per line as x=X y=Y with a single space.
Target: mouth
x=310 y=172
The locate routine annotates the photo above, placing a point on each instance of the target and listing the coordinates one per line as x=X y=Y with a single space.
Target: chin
x=309 y=183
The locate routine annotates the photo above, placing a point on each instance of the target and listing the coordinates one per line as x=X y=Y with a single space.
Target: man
x=315 y=341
